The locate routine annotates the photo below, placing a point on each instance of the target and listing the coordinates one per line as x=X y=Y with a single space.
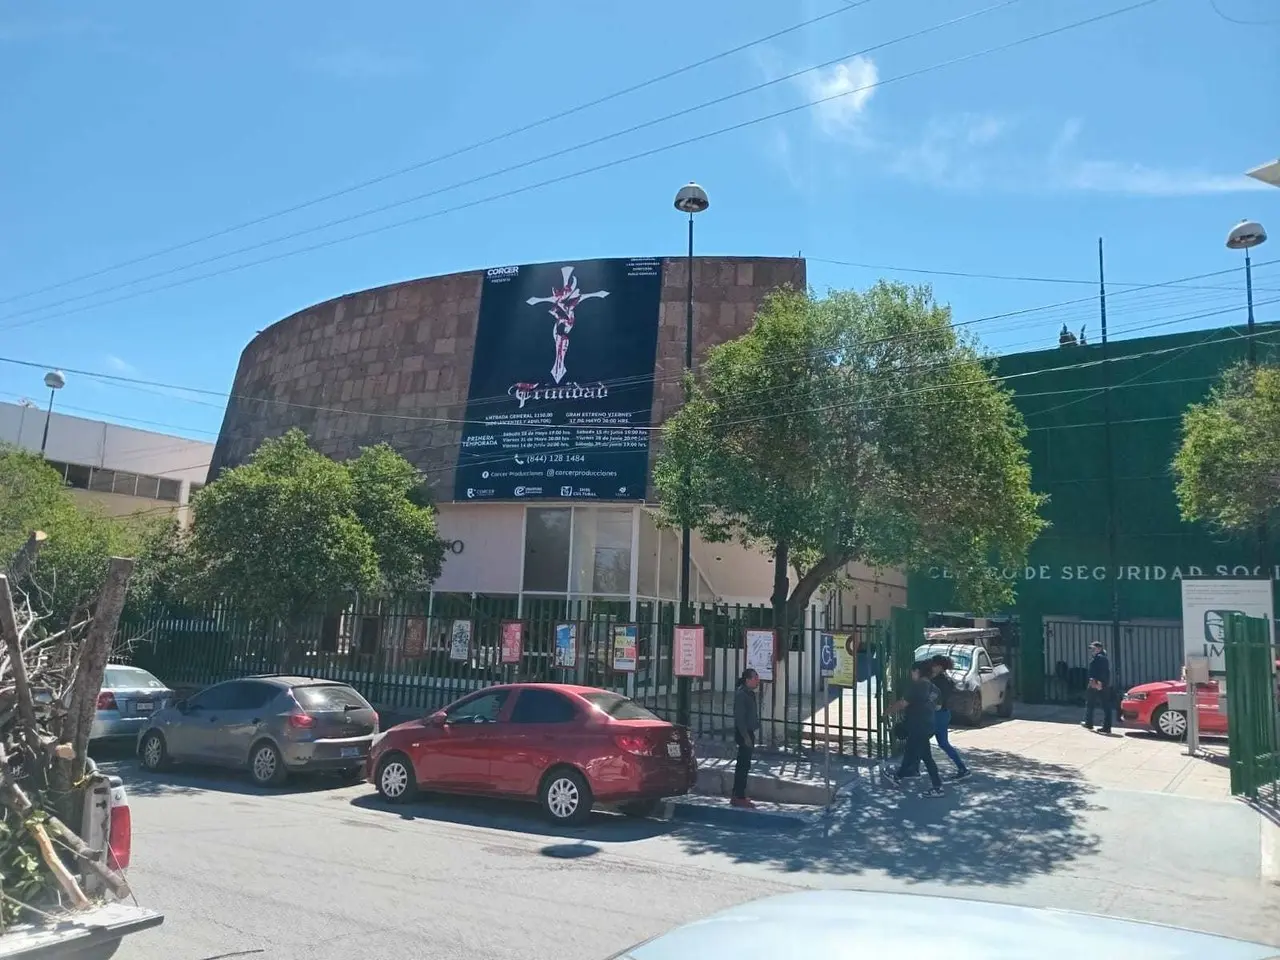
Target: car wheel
x=641 y=809
x=152 y=752
x=1170 y=724
x=266 y=766
x=973 y=709
x=565 y=796
x=395 y=781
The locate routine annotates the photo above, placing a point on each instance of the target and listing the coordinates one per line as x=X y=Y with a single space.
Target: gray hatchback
x=270 y=725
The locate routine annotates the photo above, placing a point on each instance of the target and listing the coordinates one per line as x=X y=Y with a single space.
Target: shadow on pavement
x=1015 y=819
x=185 y=779
x=516 y=817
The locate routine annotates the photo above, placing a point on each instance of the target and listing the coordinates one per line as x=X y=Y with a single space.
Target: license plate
x=673 y=751
x=143 y=707
x=350 y=752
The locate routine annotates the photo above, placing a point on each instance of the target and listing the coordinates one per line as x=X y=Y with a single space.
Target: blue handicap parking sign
x=827 y=654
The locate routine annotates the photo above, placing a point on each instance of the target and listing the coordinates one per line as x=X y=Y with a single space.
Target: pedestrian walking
x=917 y=709
x=942 y=716
x=746 y=723
x=1099 y=689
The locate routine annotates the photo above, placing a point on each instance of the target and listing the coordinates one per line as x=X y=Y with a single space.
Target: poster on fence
x=415 y=636
x=690 y=658
x=761 y=645
x=512 y=640
x=625 y=640
x=845 y=648
x=460 y=640
x=567 y=645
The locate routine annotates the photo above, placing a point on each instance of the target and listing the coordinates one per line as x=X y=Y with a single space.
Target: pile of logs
x=49 y=685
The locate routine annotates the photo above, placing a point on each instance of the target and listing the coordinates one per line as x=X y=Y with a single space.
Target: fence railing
x=419 y=654
x=1143 y=654
x=1253 y=750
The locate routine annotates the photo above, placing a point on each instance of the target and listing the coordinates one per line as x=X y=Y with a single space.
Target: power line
x=969 y=275
x=623 y=382
x=511 y=168
x=1174 y=352
x=697 y=138
x=448 y=155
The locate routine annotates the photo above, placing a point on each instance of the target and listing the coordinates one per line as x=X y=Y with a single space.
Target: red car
x=1146 y=707
x=566 y=747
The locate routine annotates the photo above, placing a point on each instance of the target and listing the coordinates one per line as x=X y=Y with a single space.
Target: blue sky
x=131 y=128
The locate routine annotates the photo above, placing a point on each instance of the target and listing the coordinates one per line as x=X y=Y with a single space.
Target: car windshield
x=618 y=706
x=129 y=678
x=331 y=696
x=963 y=656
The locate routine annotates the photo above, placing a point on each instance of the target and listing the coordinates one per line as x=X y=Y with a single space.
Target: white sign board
x=761 y=645
x=1206 y=604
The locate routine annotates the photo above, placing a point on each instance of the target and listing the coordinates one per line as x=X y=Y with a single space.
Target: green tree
x=292 y=532
x=857 y=426
x=81 y=538
x=1227 y=467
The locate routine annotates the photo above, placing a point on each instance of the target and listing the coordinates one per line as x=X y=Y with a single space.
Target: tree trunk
x=782 y=622
x=87 y=683
x=810 y=582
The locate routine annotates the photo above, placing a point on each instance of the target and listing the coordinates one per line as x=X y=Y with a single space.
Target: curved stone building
x=394 y=363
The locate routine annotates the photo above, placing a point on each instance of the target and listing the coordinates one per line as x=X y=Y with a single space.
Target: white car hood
x=853 y=925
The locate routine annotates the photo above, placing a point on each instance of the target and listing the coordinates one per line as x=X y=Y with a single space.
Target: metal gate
x=1252 y=710
x=1145 y=653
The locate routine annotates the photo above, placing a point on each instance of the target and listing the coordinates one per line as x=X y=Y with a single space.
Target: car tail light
x=301 y=721
x=120 y=840
x=107 y=700
x=633 y=743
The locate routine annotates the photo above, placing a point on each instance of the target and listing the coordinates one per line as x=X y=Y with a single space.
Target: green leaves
x=81 y=538
x=1228 y=466
x=857 y=426
x=293 y=531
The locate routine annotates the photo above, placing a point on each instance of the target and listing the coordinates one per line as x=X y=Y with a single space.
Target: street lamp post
x=690 y=199
x=55 y=381
x=1246 y=235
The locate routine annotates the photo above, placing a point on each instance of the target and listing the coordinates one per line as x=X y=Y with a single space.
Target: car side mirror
x=181 y=706
x=437 y=719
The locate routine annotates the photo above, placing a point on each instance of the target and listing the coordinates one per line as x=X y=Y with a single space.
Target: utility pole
x=1113 y=559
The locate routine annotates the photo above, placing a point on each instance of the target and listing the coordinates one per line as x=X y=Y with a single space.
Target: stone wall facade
x=393 y=364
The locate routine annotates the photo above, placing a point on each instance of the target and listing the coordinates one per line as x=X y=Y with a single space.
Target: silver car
x=983 y=684
x=130 y=696
x=270 y=725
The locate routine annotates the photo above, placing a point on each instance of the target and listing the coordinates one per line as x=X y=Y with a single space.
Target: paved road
x=321 y=871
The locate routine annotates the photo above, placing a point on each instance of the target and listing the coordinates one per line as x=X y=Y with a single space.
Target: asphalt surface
x=321 y=871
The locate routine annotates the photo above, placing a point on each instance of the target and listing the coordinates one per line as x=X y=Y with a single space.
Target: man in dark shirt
x=917 y=709
x=1099 y=689
x=746 y=723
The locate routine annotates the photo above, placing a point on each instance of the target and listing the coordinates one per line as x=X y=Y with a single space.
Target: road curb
x=1269 y=859
x=717 y=816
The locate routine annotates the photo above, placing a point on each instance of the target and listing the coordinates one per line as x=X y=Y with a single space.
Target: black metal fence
x=419 y=654
x=1143 y=654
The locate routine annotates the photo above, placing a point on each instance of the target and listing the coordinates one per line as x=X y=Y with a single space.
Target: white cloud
x=845 y=90
x=119 y=366
x=359 y=63
x=975 y=151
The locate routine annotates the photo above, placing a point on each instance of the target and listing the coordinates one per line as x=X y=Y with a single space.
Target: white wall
x=110 y=446
x=492 y=536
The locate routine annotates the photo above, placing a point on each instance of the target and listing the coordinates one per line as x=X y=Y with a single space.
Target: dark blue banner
x=561 y=385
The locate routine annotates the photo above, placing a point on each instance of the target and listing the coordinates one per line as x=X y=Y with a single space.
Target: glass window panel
x=546 y=548
x=101 y=481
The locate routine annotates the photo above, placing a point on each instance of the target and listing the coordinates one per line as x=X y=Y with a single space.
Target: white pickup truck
x=93 y=933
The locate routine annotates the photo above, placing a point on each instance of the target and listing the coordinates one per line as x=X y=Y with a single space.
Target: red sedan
x=564 y=746
x=1146 y=707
